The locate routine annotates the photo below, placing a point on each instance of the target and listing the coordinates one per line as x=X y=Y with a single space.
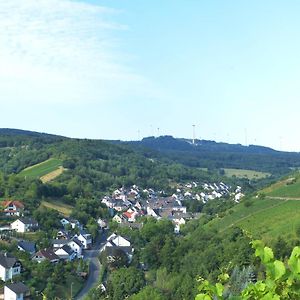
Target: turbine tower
x=194 y=134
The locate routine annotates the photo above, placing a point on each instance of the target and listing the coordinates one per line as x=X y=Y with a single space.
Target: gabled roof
x=77 y=241
x=7 y=261
x=28 y=221
x=27 y=246
x=60 y=242
x=18 y=288
x=16 y=203
x=48 y=254
x=67 y=249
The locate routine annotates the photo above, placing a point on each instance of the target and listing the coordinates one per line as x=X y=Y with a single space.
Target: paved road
x=92 y=257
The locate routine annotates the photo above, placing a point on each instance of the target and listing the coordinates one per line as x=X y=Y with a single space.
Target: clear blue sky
x=110 y=69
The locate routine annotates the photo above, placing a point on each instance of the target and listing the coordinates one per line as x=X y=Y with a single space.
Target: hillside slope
x=273 y=213
x=213 y=155
x=93 y=166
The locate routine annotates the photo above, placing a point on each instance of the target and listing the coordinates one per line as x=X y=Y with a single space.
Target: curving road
x=94 y=269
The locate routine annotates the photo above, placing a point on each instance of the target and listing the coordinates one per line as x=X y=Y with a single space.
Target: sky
x=126 y=69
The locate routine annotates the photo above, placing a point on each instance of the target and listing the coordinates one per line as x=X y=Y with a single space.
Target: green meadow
x=241 y=173
x=42 y=168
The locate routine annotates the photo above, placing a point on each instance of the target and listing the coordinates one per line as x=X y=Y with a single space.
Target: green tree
x=148 y=292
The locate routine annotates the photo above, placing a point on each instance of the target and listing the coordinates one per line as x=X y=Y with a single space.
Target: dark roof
x=48 y=254
x=27 y=246
x=18 y=288
x=67 y=249
x=7 y=261
x=77 y=241
x=60 y=241
x=28 y=221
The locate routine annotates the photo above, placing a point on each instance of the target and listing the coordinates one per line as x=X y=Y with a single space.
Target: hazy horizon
x=130 y=69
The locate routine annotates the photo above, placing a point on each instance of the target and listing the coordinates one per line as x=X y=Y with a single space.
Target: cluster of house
x=126 y=205
x=69 y=244
x=66 y=245
x=10 y=267
x=209 y=191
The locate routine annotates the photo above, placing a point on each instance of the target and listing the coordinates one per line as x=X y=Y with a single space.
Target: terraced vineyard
x=275 y=213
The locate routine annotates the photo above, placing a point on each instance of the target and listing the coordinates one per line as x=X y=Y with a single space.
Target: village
x=126 y=206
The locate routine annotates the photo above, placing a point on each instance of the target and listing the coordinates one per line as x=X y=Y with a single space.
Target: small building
x=12 y=208
x=102 y=223
x=45 y=254
x=76 y=246
x=24 y=225
x=66 y=253
x=118 y=242
x=85 y=239
x=9 y=267
x=58 y=243
x=16 y=291
x=27 y=246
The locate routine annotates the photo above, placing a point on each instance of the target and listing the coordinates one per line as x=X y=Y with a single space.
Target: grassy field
x=60 y=207
x=286 y=188
x=264 y=219
x=250 y=174
x=41 y=169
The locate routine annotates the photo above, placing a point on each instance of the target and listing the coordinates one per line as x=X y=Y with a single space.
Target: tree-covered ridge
x=213 y=155
x=91 y=168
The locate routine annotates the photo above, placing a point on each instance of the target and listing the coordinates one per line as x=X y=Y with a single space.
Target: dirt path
x=52 y=175
x=283 y=198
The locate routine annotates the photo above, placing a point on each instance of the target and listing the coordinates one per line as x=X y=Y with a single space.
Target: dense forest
x=213 y=155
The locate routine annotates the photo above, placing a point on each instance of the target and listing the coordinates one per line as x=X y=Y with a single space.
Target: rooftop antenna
x=157 y=131
x=194 y=134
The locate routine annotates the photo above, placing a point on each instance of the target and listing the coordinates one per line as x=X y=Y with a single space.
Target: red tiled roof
x=16 y=203
x=127 y=214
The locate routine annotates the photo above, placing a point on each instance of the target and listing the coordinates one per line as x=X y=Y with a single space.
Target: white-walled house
x=24 y=225
x=9 y=267
x=85 y=238
x=66 y=253
x=117 y=241
x=13 y=208
x=76 y=246
x=16 y=291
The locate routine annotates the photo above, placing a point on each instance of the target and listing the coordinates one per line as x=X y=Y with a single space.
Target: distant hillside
x=274 y=212
x=91 y=167
x=27 y=133
x=213 y=155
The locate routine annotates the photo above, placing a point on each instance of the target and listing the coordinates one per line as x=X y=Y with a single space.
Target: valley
x=145 y=215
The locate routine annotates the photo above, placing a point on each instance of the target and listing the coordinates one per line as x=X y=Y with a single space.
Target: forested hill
x=90 y=167
x=213 y=155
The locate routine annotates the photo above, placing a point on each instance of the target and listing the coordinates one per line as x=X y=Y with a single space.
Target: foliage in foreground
x=282 y=279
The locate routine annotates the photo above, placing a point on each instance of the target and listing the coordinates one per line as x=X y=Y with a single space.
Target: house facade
x=16 y=291
x=9 y=267
x=24 y=225
x=13 y=208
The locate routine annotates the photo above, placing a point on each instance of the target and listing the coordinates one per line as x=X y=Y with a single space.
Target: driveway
x=94 y=270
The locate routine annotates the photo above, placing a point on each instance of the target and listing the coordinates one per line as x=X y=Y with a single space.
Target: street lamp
x=72 y=290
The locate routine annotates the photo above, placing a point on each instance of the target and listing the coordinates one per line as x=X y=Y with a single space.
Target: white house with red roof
x=12 y=207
